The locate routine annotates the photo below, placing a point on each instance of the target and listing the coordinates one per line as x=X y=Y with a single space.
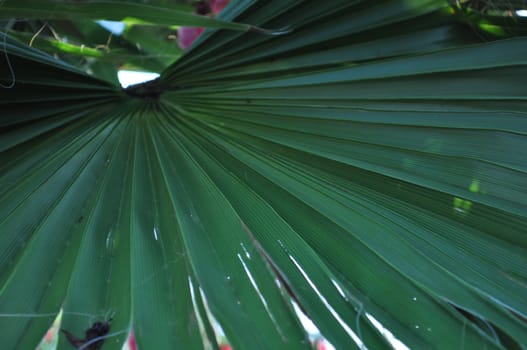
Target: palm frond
x=368 y=167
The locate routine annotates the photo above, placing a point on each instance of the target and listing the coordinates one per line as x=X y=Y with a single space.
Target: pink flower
x=49 y=335
x=217 y=5
x=187 y=35
x=321 y=345
x=225 y=347
x=131 y=342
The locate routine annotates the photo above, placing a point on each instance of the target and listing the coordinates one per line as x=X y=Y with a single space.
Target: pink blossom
x=187 y=35
x=49 y=335
x=217 y=5
x=131 y=342
x=321 y=345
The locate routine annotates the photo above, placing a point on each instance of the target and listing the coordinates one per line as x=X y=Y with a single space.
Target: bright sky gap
x=128 y=77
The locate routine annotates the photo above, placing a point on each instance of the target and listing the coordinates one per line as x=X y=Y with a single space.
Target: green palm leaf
x=160 y=12
x=367 y=167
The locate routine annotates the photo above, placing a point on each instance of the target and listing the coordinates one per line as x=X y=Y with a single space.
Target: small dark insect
x=203 y=8
x=98 y=329
x=79 y=220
